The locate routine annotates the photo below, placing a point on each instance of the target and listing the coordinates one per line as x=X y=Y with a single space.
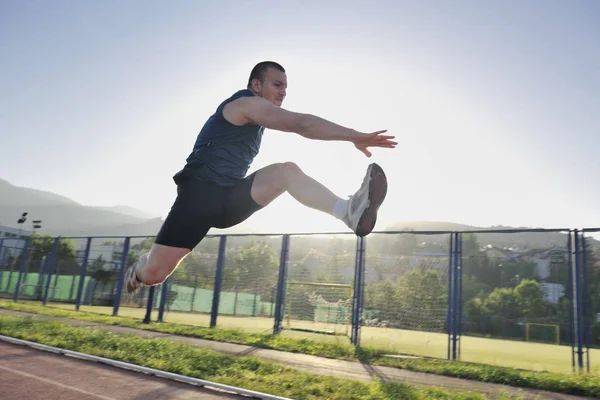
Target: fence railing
x=471 y=295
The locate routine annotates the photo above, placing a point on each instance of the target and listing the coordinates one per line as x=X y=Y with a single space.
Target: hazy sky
x=495 y=104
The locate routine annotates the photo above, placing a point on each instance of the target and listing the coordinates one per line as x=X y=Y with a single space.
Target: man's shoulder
x=234 y=108
x=239 y=94
x=237 y=98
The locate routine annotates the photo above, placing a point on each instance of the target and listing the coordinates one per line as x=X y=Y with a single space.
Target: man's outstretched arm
x=264 y=113
x=259 y=111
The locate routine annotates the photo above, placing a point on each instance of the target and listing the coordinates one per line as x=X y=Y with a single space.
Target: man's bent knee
x=291 y=169
x=272 y=181
x=159 y=264
x=284 y=173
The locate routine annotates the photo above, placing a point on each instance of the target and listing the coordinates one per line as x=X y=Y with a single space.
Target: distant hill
x=20 y=196
x=520 y=240
x=66 y=217
x=61 y=215
x=148 y=227
x=127 y=210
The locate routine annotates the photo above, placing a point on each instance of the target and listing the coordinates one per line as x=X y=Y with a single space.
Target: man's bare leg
x=155 y=266
x=273 y=180
x=359 y=212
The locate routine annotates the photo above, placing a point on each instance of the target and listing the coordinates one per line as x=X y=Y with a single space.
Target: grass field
x=247 y=371
x=524 y=355
x=581 y=384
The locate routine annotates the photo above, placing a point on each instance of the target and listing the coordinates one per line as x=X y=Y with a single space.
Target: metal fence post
x=163 y=299
x=2 y=253
x=354 y=292
x=360 y=292
x=587 y=326
x=578 y=299
x=83 y=273
x=459 y=274
x=117 y=299
x=280 y=296
x=449 y=316
x=21 y=269
x=455 y=298
x=218 y=282
x=149 y=303
x=50 y=267
x=570 y=294
x=357 y=298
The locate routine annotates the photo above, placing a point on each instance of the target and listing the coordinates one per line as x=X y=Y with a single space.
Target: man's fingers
x=377 y=133
x=384 y=142
x=376 y=139
x=384 y=145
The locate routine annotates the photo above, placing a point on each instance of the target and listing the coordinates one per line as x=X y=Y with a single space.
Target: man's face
x=274 y=86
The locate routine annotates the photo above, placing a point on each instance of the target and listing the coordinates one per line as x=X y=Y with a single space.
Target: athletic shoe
x=131 y=280
x=364 y=204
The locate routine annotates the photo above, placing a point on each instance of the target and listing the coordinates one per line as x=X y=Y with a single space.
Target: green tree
x=503 y=302
x=97 y=264
x=421 y=297
x=505 y=308
x=254 y=270
x=329 y=270
x=381 y=298
x=477 y=267
x=198 y=269
x=299 y=272
x=65 y=261
x=42 y=245
x=474 y=313
x=472 y=288
x=530 y=299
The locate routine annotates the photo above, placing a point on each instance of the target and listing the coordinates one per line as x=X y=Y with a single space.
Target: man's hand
x=375 y=139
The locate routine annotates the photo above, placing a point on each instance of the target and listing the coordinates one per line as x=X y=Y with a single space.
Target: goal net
x=318 y=307
x=544 y=333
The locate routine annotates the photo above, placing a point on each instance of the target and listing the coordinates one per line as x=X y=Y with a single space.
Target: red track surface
x=31 y=374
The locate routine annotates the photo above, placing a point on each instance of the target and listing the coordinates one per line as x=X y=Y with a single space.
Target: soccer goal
x=316 y=307
x=548 y=333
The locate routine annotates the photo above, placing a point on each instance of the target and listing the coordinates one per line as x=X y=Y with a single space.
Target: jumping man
x=214 y=191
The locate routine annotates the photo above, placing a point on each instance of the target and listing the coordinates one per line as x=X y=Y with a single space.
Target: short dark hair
x=259 y=70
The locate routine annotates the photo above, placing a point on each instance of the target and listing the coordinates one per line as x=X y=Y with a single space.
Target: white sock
x=340 y=208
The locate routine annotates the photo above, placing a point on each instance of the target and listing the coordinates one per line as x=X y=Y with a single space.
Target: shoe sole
x=128 y=287
x=377 y=193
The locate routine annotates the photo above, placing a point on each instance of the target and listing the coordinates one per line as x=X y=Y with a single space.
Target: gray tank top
x=223 y=152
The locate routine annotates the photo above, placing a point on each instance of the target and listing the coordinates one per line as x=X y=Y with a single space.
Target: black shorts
x=200 y=206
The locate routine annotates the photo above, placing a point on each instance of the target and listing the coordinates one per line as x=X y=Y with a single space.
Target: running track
x=27 y=373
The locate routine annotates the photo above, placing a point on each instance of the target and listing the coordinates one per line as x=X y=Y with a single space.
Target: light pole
x=21 y=221
x=37 y=224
